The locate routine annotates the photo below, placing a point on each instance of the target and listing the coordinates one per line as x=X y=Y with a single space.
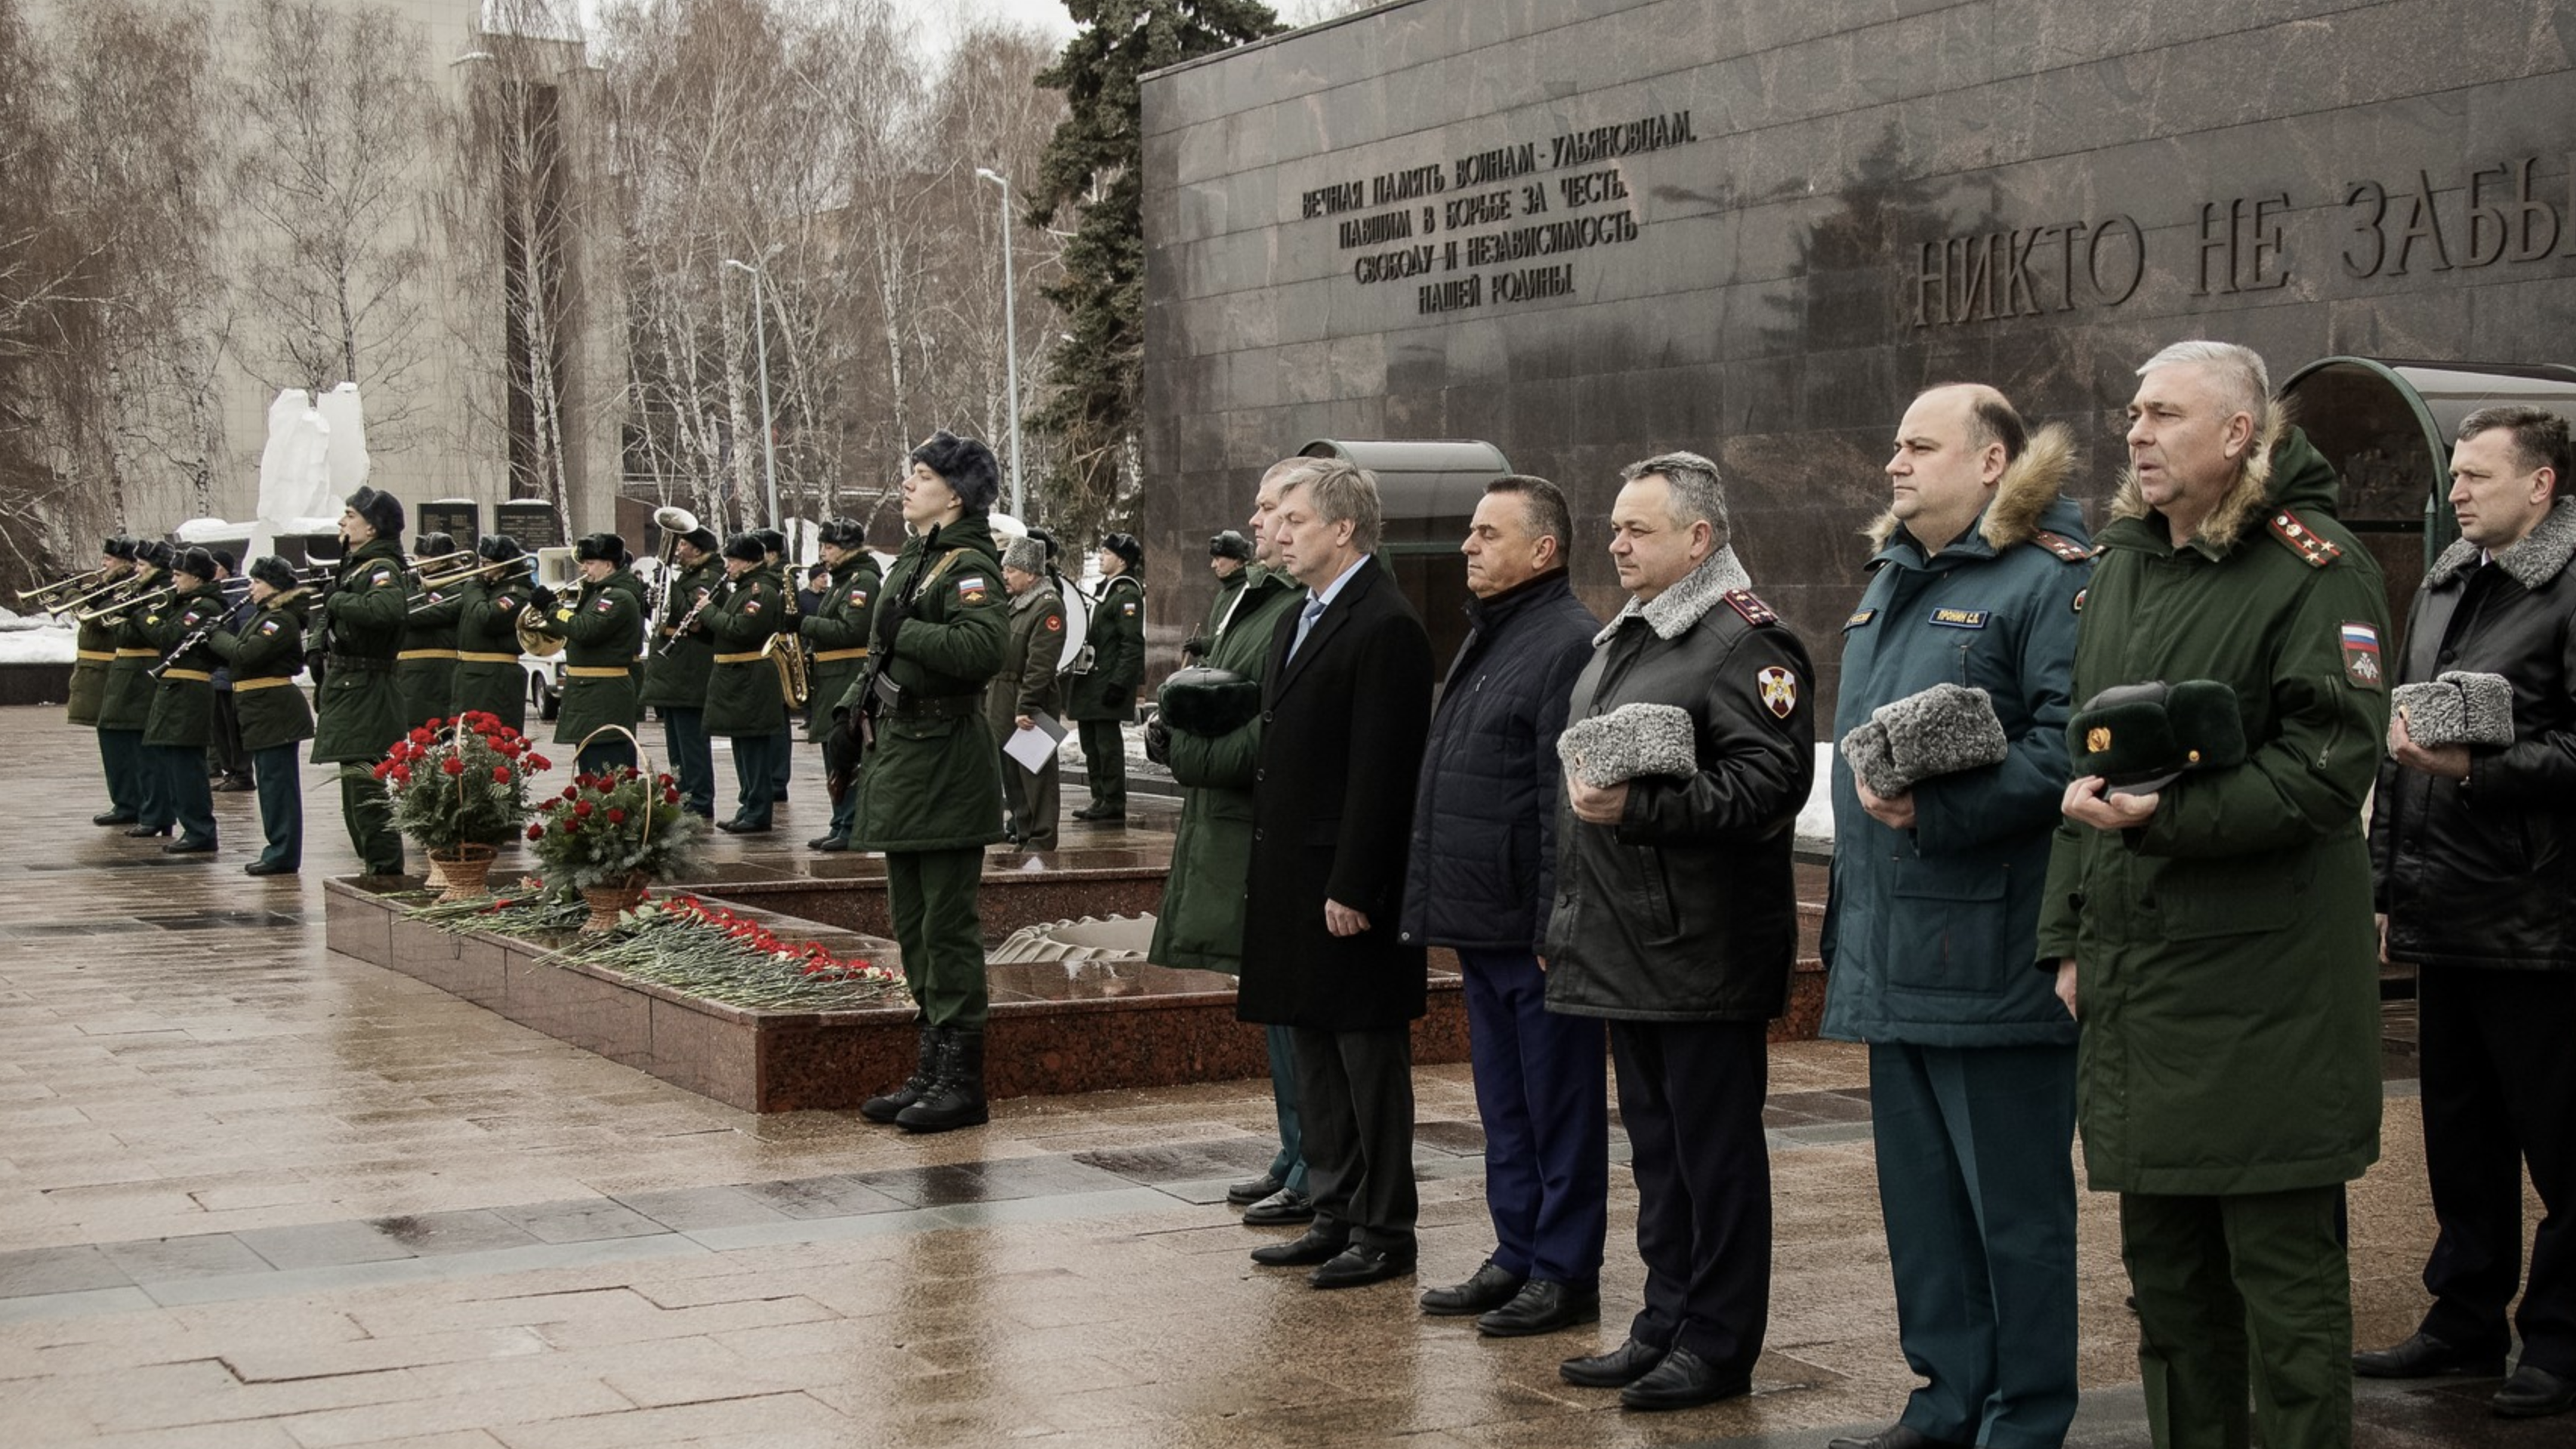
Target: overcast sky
x=945 y=15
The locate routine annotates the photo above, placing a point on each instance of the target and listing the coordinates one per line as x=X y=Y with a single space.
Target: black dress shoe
x=1307 y=1249
x=1682 y=1381
x=1355 y=1266
x=1897 y=1436
x=1244 y=1194
x=190 y=847
x=1279 y=1210
x=111 y=818
x=741 y=827
x=1616 y=1369
x=231 y=785
x=2426 y=1357
x=146 y=832
x=829 y=844
x=268 y=867
x=2534 y=1393
x=1096 y=814
x=1486 y=1289
x=1542 y=1307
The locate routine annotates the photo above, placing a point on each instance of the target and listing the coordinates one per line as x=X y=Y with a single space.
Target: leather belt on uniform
x=473 y=656
x=826 y=656
x=946 y=706
x=448 y=654
x=271 y=681
x=596 y=671
x=93 y=655
x=138 y=654
x=748 y=656
x=352 y=661
x=193 y=676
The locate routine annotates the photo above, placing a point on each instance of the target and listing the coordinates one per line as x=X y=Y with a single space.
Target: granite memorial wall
x=1591 y=230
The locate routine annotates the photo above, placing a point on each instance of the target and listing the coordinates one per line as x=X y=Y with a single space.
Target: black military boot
x=957 y=1098
x=925 y=1071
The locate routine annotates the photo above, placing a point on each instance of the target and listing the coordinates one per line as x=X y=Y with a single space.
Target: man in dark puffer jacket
x=1479 y=878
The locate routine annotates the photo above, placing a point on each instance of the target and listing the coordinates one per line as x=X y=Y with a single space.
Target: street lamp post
x=768 y=428
x=1010 y=338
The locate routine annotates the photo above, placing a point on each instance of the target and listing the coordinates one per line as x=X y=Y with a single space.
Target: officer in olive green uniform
x=1104 y=698
x=489 y=676
x=602 y=626
x=125 y=697
x=675 y=676
x=359 y=712
x=95 y=650
x=930 y=796
x=743 y=700
x=182 y=713
x=425 y=665
x=264 y=657
x=1026 y=688
x=837 y=632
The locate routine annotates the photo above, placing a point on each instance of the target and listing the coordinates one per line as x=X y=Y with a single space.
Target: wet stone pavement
x=253 y=1193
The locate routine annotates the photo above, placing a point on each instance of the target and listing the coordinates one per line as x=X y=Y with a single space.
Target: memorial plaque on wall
x=1598 y=230
x=459 y=518
x=534 y=523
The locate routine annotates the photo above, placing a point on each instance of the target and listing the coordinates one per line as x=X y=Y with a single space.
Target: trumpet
x=99 y=591
x=117 y=608
x=48 y=595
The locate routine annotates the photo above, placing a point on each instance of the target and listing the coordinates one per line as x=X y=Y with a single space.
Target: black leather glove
x=893 y=612
x=1158 y=739
x=544 y=598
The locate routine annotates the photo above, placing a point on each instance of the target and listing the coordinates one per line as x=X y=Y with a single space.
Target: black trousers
x=1355 y=1113
x=1690 y=1094
x=2499 y=1083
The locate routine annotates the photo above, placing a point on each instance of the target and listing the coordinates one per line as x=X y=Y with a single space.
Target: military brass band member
x=929 y=795
x=837 y=632
x=425 y=665
x=95 y=650
x=1026 y=688
x=226 y=759
x=181 y=717
x=743 y=702
x=125 y=695
x=602 y=626
x=1103 y=698
x=782 y=571
x=675 y=674
x=359 y=709
x=489 y=676
x=265 y=655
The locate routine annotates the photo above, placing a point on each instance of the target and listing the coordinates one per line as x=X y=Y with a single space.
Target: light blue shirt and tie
x=1317 y=603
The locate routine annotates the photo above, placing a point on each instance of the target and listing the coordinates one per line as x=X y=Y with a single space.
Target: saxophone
x=785 y=650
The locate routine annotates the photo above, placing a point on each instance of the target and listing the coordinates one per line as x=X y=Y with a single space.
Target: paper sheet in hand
x=1034 y=746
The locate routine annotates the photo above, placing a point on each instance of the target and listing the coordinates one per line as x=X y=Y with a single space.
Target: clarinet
x=170 y=661
x=689 y=619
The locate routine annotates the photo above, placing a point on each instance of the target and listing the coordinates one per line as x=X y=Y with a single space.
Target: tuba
x=675 y=523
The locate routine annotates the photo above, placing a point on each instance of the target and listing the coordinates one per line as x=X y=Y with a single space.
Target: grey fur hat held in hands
x=2457 y=707
x=1940 y=731
x=1629 y=742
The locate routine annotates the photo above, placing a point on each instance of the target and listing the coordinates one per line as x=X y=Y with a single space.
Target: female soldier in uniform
x=274 y=717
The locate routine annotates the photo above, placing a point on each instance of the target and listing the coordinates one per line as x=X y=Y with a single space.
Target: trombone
x=49 y=596
x=100 y=591
x=420 y=601
x=118 y=607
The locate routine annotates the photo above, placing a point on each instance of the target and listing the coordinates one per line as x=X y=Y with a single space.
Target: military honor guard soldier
x=181 y=716
x=836 y=630
x=1102 y=698
x=265 y=652
x=359 y=709
x=94 y=649
x=489 y=676
x=602 y=626
x=1026 y=688
x=675 y=672
x=2473 y=840
x=743 y=703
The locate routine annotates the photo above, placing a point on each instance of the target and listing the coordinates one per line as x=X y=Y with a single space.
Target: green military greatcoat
x=94 y=650
x=1117 y=639
x=1026 y=683
x=125 y=691
x=675 y=674
x=602 y=626
x=930 y=779
x=183 y=699
x=1201 y=921
x=359 y=711
x=489 y=676
x=425 y=665
x=265 y=657
x=743 y=700
x=837 y=632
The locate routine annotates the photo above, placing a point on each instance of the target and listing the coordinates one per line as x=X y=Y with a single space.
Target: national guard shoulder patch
x=2360 y=643
x=2299 y=539
x=1779 y=690
x=1755 y=612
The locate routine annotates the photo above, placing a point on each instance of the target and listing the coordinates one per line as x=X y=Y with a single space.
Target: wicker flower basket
x=609 y=902
x=462 y=873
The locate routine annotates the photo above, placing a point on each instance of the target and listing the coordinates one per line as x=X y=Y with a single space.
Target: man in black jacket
x=1345 y=701
x=1478 y=880
x=2473 y=842
x=1676 y=918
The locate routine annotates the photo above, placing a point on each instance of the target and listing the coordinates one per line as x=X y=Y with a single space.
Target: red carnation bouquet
x=615 y=828
x=460 y=782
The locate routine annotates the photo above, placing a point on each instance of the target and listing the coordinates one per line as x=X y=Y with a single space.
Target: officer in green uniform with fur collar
x=359 y=711
x=183 y=696
x=930 y=793
x=1026 y=688
x=265 y=657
